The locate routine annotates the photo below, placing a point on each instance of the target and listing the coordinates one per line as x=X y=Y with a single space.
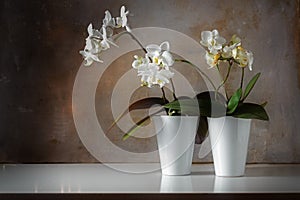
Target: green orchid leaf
x=234 y=101
x=181 y=110
x=207 y=103
x=135 y=127
x=251 y=111
x=139 y=124
x=186 y=106
x=145 y=103
x=250 y=86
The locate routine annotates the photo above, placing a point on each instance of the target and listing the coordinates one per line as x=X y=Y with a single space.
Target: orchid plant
x=155 y=70
x=234 y=54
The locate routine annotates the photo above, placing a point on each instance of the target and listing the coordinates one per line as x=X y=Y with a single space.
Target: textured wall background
x=40 y=41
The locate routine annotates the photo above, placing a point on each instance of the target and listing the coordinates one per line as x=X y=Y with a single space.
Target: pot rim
x=228 y=117
x=180 y=116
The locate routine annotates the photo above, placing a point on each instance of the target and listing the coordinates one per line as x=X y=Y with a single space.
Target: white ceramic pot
x=176 y=139
x=229 y=138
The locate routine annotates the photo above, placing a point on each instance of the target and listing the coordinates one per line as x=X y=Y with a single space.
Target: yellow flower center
x=156 y=60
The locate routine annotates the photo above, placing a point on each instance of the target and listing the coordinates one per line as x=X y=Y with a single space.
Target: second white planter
x=176 y=139
x=229 y=138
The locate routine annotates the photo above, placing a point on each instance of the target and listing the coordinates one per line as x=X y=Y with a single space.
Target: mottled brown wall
x=40 y=41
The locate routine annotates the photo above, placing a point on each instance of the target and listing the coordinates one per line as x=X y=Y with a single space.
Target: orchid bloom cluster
x=218 y=50
x=154 y=68
x=100 y=40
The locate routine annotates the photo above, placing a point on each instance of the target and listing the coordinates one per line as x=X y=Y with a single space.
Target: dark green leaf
x=184 y=106
x=179 y=110
x=146 y=103
x=250 y=86
x=140 y=104
x=234 y=101
x=139 y=124
x=251 y=111
x=135 y=127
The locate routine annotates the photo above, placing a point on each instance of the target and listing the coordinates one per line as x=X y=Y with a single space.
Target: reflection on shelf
x=176 y=184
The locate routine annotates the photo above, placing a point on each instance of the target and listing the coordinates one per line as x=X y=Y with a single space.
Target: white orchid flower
x=235 y=40
x=93 y=39
x=140 y=62
x=160 y=54
x=117 y=22
x=109 y=20
x=105 y=40
x=167 y=59
x=155 y=50
x=123 y=15
x=227 y=50
x=93 y=33
x=163 y=77
x=89 y=57
x=122 y=20
x=212 y=41
x=212 y=59
x=152 y=74
x=243 y=57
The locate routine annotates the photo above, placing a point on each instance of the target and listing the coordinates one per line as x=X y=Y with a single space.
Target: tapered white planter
x=229 y=138
x=176 y=139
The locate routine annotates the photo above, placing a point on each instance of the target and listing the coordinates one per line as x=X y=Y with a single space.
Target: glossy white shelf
x=99 y=178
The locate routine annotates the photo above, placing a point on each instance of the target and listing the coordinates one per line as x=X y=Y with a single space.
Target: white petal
x=88 y=44
x=205 y=37
x=167 y=58
x=250 y=59
x=135 y=64
x=220 y=40
x=118 y=22
x=215 y=32
x=151 y=48
x=88 y=62
x=104 y=34
x=165 y=46
x=234 y=53
x=90 y=29
x=122 y=11
x=82 y=53
x=128 y=28
x=124 y=21
x=107 y=18
x=105 y=45
x=226 y=52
